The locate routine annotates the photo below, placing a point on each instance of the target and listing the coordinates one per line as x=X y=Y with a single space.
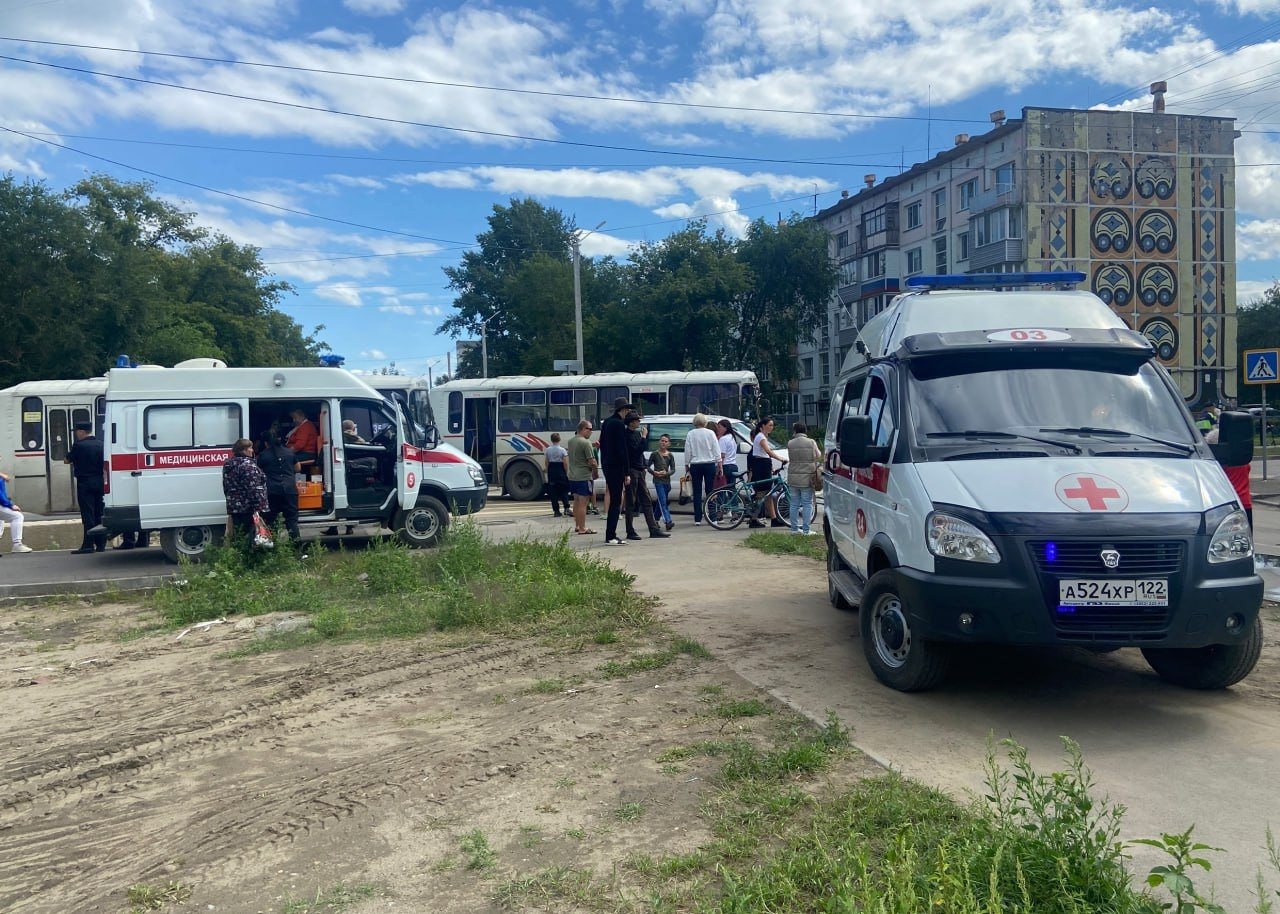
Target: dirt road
x=260 y=779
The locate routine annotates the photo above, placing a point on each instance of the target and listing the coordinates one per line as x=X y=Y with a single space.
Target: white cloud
x=397 y=308
x=373 y=354
x=1251 y=290
x=374 y=7
x=343 y=295
x=1258 y=239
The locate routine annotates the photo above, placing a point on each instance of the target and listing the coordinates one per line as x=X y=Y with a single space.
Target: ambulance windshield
x=1050 y=397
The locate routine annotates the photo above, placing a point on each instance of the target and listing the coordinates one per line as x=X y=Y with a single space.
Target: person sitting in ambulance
x=303 y=440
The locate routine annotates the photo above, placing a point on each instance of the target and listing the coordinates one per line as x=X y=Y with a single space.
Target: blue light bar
x=994 y=280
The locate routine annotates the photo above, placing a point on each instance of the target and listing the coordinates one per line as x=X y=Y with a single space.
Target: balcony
x=1011 y=250
x=995 y=196
x=885 y=239
x=848 y=293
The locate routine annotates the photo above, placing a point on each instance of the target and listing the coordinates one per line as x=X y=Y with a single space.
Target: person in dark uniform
x=86 y=457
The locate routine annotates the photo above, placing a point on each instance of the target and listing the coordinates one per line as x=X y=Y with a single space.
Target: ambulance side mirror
x=857 y=447
x=1235 y=439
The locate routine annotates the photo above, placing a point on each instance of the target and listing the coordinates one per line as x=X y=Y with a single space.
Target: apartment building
x=1142 y=202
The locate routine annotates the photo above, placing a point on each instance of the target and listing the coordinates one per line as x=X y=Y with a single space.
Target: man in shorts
x=582 y=474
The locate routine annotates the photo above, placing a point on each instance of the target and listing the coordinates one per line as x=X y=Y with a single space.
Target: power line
x=477 y=87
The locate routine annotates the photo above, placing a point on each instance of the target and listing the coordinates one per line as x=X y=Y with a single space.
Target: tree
x=490 y=294
x=105 y=268
x=1257 y=327
x=792 y=279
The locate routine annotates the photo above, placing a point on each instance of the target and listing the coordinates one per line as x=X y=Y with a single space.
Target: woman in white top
x=728 y=450
x=701 y=458
x=760 y=466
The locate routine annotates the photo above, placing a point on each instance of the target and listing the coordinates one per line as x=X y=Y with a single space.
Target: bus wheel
x=422 y=525
x=523 y=481
x=192 y=542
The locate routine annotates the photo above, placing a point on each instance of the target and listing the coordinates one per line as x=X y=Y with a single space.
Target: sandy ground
x=277 y=776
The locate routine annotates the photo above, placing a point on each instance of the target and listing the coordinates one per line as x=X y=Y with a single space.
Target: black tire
x=192 y=542
x=523 y=481
x=835 y=564
x=424 y=524
x=724 y=509
x=898 y=659
x=1214 y=667
x=782 y=507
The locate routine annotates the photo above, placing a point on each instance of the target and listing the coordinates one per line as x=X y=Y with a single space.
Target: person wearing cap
x=637 y=490
x=85 y=456
x=616 y=465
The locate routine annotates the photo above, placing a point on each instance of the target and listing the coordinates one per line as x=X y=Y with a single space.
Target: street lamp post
x=430 y=365
x=575 y=239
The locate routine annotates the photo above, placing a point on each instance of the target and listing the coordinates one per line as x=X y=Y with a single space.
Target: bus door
x=59 y=427
x=479 y=423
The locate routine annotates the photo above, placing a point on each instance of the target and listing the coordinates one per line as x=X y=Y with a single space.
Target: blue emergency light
x=994 y=280
x=332 y=360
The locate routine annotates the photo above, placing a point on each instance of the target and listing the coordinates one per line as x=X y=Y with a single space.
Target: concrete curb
x=18 y=593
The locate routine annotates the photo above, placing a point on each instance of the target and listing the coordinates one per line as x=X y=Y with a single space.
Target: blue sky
x=361 y=144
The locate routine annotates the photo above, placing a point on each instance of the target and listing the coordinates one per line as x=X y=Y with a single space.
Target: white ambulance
x=1016 y=467
x=169 y=430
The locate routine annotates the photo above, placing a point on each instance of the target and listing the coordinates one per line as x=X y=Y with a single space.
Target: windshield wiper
x=975 y=433
x=1122 y=433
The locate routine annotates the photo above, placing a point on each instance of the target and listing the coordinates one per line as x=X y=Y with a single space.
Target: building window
x=915 y=260
x=968 y=190
x=939 y=209
x=806 y=369
x=914 y=214
x=842 y=241
x=873 y=265
x=1004 y=178
x=875 y=222
x=962 y=246
x=849 y=273
x=940 y=254
x=826 y=368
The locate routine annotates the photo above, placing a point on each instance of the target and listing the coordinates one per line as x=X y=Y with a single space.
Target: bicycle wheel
x=782 y=502
x=724 y=509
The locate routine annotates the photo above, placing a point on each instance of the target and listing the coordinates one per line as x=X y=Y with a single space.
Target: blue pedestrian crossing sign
x=1261 y=366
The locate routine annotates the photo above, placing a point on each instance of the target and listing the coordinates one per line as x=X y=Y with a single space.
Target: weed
x=145 y=897
x=629 y=812
x=479 y=855
x=787 y=543
x=732 y=710
x=337 y=898
x=1175 y=877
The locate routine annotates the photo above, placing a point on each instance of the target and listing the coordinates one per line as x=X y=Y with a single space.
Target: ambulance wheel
x=898 y=658
x=523 y=481
x=835 y=564
x=192 y=542
x=422 y=525
x=1214 y=667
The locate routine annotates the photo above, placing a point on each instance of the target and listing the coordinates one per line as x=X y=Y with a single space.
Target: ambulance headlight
x=952 y=538
x=477 y=475
x=1231 y=541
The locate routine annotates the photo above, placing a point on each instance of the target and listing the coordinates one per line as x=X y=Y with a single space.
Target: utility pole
x=574 y=240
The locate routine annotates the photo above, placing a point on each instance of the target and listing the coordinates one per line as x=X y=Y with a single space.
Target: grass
x=145 y=897
x=512 y=589
x=338 y=898
x=787 y=543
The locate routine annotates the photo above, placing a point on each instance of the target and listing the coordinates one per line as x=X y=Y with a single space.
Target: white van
x=1016 y=467
x=169 y=430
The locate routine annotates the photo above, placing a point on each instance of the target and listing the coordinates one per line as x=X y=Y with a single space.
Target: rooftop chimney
x=997 y=117
x=962 y=138
x=1157 y=96
x=844 y=195
x=870 y=180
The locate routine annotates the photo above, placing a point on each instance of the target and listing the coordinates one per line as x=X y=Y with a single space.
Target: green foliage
x=480 y=856
x=106 y=268
x=1175 y=877
x=784 y=542
x=146 y=897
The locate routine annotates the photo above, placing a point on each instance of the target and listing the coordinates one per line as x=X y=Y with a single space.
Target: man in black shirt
x=615 y=463
x=86 y=457
x=637 y=491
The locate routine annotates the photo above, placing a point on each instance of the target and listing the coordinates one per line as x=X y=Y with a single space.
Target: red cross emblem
x=1087 y=492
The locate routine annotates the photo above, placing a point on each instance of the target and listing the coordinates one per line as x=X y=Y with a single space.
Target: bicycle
x=725 y=508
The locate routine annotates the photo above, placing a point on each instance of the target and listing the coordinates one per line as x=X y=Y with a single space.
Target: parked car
x=1256 y=411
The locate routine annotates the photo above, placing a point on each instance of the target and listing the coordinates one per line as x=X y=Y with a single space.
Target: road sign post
x=1262 y=367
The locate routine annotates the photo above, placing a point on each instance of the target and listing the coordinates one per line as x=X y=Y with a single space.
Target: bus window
x=569 y=407
x=59 y=435
x=455 y=412
x=522 y=411
x=712 y=399
x=32 y=424
x=607 y=396
x=650 y=403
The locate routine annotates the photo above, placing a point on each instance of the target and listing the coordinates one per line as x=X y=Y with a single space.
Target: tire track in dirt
x=253 y=758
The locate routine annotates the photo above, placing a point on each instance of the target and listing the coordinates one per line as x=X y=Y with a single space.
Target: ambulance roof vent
x=201 y=363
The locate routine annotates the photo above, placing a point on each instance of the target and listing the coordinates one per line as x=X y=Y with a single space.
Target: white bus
x=36 y=422
x=506 y=423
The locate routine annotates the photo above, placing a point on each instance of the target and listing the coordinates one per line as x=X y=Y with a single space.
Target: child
x=13 y=514
x=662 y=464
x=557 y=465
